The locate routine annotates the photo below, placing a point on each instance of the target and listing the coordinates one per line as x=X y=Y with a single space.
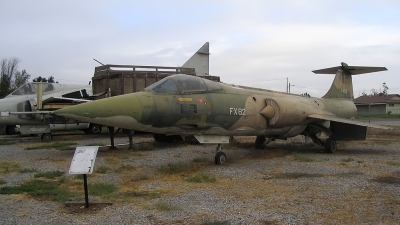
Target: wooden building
x=123 y=79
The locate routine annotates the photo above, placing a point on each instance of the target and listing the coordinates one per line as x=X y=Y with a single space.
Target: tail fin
x=342 y=86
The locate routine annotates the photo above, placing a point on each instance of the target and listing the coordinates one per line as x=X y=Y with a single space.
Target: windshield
x=30 y=88
x=165 y=86
x=184 y=84
x=190 y=84
x=26 y=89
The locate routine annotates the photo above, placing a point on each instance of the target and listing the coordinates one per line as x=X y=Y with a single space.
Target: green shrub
x=174 y=168
x=300 y=157
x=40 y=189
x=201 y=178
x=102 y=169
x=49 y=174
x=102 y=189
x=165 y=206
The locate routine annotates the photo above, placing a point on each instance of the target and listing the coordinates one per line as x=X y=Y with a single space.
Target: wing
x=50 y=103
x=64 y=100
x=347 y=121
x=346 y=129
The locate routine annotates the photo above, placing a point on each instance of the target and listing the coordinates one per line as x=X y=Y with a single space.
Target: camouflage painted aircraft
x=213 y=112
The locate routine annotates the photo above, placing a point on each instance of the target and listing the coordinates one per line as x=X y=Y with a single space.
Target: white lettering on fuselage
x=237 y=111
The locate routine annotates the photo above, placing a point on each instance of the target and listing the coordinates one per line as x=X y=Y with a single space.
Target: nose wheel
x=220 y=157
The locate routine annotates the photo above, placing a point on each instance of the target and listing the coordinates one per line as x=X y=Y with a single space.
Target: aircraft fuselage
x=229 y=111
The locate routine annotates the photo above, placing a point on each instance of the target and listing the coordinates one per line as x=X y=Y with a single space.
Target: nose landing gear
x=220 y=156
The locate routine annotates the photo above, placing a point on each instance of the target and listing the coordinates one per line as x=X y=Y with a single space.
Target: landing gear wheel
x=330 y=145
x=94 y=129
x=220 y=158
x=260 y=142
x=46 y=137
x=11 y=130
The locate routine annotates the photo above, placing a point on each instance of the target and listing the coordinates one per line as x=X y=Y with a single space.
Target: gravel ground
x=289 y=183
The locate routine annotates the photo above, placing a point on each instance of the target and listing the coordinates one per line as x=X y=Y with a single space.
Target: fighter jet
x=213 y=112
x=27 y=105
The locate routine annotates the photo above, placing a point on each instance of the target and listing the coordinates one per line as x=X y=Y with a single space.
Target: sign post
x=83 y=163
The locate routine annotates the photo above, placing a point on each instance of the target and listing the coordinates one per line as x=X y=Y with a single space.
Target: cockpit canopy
x=184 y=84
x=30 y=88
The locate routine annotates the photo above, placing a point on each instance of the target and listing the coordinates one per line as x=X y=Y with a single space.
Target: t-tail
x=342 y=85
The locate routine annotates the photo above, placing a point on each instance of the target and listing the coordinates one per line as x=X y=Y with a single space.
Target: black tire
x=94 y=129
x=330 y=145
x=259 y=144
x=220 y=158
x=46 y=137
x=11 y=130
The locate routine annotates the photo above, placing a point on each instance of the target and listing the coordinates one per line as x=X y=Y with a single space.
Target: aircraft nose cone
x=268 y=112
x=120 y=111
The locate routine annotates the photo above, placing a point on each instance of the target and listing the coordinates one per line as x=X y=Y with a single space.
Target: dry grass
x=392 y=163
x=297 y=175
x=165 y=206
x=9 y=167
x=142 y=185
x=388 y=179
x=381 y=132
x=295 y=156
x=55 y=145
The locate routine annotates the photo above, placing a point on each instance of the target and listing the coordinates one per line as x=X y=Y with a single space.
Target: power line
x=308 y=87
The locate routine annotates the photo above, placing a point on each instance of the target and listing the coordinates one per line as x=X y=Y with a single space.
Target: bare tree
x=8 y=70
x=374 y=92
x=11 y=78
x=20 y=79
x=364 y=94
x=385 y=88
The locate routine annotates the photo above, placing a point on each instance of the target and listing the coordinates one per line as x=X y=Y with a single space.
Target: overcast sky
x=254 y=43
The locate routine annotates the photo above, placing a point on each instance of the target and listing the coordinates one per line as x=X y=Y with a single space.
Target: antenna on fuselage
x=98 y=61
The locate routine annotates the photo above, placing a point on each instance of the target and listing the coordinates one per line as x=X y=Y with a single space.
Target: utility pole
x=287 y=84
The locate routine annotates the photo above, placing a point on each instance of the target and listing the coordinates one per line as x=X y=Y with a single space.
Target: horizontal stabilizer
x=353 y=70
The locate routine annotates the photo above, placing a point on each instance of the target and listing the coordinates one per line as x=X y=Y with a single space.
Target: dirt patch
x=79 y=207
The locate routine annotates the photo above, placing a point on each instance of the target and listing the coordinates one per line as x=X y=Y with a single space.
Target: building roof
x=380 y=98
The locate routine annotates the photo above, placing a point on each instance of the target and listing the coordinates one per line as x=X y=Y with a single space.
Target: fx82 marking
x=237 y=111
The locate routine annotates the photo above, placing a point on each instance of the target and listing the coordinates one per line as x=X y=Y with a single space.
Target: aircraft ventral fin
x=347 y=121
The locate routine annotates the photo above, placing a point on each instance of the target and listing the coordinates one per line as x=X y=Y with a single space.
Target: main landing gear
x=126 y=131
x=220 y=157
x=262 y=142
x=11 y=130
x=46 y=137
x=329 y=145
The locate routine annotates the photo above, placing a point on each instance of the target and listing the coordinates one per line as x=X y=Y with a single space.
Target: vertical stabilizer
x=342 y=85
x=200 y=61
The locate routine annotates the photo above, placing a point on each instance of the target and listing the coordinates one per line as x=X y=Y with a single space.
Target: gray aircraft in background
x=24 y=109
